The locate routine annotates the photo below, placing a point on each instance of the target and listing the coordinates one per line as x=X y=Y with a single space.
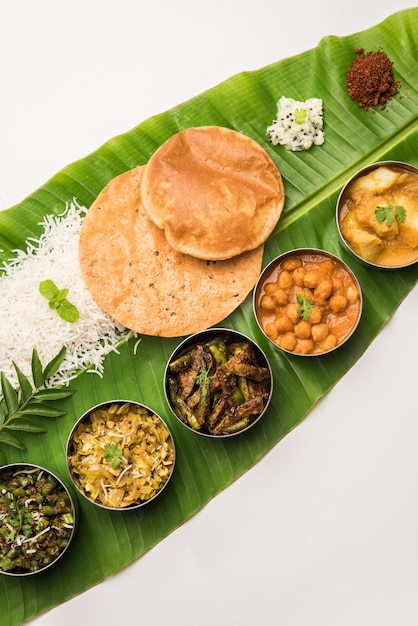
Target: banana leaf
x=107 y=542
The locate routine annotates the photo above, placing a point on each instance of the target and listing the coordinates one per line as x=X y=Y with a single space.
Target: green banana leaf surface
x=105 y=542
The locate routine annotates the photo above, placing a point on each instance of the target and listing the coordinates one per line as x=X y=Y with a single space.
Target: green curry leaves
x=58 y=300
x=25 y=400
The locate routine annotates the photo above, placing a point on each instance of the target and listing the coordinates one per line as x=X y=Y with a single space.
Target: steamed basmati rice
x=27 y=320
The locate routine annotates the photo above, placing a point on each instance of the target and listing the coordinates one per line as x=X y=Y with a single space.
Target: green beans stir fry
x=36 y=519
x=218 y=387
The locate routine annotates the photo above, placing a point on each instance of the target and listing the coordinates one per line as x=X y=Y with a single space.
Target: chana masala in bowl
x=120 y=455
x=218 y=382
x=37 y=519
x=307 y=302
x=377 y=214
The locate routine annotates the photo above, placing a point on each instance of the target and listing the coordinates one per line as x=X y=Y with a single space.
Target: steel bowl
x=298 y=317
x=120 y=455
x=37 y=519
x=206 y=407
x=372 y=242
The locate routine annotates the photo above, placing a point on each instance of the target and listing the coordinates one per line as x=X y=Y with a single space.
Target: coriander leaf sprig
x=305 y=306
x=389 y=213
x=113 y=453
x=27 y=399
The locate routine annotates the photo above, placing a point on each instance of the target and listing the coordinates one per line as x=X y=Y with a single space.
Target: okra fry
x=211 y=386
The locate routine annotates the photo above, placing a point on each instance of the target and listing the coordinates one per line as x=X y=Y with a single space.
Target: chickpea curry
x=308 y=303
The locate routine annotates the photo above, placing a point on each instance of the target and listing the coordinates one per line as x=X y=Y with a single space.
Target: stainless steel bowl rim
x=84 y=416
x=190 y=340
x=361 y=172
x=23 y=464
x=295 y=252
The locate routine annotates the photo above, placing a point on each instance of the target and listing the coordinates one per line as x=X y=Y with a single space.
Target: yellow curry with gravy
x=378 y=215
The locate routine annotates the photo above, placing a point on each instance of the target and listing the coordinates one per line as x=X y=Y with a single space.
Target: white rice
x=27 y=320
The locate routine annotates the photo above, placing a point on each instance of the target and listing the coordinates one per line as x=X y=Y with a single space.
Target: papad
x=136 y=277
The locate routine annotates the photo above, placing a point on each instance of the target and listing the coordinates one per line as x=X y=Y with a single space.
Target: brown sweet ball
x=136 y=277
x=370 y=79
x=214 y=191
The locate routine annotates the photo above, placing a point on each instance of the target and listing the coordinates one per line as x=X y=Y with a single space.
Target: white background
x=323 y=531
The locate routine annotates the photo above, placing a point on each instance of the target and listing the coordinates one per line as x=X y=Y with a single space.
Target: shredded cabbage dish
x=121 y=455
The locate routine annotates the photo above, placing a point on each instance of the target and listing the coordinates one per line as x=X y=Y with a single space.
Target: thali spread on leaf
x=210 y=302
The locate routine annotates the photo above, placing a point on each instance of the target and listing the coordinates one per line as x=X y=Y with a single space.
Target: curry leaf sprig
x=29 y=399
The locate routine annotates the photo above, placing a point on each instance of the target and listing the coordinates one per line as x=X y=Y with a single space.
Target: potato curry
x=379 y=216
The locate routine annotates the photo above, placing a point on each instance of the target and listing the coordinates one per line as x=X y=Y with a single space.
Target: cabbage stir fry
x=121 y=455
x=218 y=387
x=36 y=519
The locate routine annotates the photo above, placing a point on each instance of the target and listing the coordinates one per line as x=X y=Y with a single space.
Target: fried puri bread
x=136 y=277
x=214 y=191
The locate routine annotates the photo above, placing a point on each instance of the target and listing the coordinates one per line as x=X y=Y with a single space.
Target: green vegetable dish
x=37 y=519
x=218 y=382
